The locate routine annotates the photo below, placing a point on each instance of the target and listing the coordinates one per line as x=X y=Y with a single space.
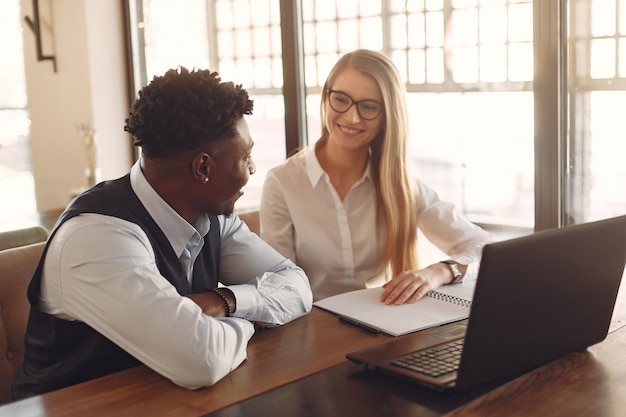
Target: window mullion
x=548 y=111
x=293 y=75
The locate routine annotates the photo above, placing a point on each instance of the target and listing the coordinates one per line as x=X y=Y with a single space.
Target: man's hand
x=212 y=304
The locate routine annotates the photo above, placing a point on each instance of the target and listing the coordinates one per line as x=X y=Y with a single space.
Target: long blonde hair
x=389 y=161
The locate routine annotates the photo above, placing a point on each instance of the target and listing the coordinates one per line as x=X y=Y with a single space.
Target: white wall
x=89 y=87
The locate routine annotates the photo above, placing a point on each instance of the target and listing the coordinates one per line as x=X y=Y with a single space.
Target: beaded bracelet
x=225 y=301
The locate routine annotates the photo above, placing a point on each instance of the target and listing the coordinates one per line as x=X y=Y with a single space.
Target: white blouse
x=335 y=241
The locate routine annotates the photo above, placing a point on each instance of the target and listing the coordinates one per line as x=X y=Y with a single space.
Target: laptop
x=537 y=298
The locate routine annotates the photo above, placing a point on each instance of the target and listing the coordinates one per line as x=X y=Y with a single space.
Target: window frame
x=549 y=87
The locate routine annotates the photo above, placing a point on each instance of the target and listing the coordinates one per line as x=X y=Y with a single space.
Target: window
x=16 y=178
x=595 y=172
x=513 y=148
x=243 y=45
x=468 y=67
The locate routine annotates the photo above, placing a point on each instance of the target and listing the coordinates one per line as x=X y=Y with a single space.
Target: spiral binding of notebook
x=449 y=298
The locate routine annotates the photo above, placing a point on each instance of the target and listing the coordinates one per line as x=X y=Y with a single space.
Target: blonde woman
x=346 y=208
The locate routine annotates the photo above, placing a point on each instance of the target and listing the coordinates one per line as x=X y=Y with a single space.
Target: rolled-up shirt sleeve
x=114 y=286
x=270 y=289
x=450 y=231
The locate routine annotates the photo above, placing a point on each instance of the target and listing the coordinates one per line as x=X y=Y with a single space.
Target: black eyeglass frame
x=354 y=103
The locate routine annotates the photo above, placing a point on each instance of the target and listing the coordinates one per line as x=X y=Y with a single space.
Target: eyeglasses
x=341 y=103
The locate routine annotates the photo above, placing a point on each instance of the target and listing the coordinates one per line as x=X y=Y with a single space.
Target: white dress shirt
x=101 y=270
x=335 y=241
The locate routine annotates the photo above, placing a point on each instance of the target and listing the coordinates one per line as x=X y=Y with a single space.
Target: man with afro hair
x=154 y=267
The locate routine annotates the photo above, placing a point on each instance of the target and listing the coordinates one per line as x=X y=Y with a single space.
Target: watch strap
x=456 y=273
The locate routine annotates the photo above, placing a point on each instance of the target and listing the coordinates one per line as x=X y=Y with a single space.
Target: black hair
x=183 y=110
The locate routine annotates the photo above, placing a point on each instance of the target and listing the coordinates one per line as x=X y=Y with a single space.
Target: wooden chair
x=22 y=237
x=251 y=218
x=17 y=266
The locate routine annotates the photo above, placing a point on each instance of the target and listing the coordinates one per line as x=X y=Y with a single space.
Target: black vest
x=60 y=353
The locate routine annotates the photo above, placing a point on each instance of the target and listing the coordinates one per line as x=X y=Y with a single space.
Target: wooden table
x=275 y=357
x=302 y=366
x=300 y=369
x=591 y=383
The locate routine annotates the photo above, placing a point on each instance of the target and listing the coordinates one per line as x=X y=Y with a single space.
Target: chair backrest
x=22 y=237
x=251 y=218
x=17 y=266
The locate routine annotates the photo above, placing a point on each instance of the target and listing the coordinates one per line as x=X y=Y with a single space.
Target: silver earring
x=206 y=179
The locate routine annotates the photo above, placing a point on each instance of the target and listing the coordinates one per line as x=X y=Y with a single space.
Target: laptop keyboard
x=435 y=362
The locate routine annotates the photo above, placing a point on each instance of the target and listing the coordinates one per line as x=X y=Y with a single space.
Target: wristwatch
x=455 y=271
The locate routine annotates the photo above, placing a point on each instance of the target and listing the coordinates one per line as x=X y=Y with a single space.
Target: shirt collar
x=177 y=230
x=313 y=168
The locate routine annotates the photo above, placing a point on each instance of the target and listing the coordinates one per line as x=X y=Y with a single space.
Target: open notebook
x=362 y=308
x=537 y=298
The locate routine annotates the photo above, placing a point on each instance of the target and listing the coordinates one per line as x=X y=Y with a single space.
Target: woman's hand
x=410 y=286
